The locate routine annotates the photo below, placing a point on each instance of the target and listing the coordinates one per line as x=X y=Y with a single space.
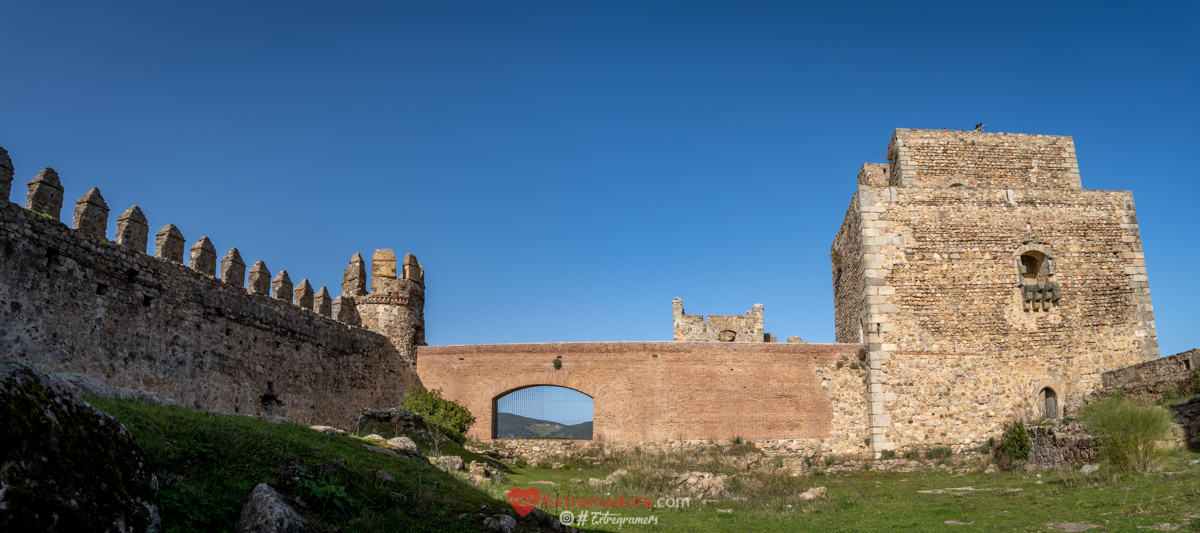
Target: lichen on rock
x=66 y=466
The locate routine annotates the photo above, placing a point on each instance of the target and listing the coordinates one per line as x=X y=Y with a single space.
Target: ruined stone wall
x=72 y=301
x=1153 y=379
x=954 y=347
x=933 y=158
x=723 y=328
x=651 y=391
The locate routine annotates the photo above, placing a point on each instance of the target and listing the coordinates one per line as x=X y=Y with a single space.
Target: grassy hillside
x=510 y=426
x=208 y=463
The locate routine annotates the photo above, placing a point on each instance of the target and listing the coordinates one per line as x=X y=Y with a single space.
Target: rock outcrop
x=267 y=512
x=66 y=466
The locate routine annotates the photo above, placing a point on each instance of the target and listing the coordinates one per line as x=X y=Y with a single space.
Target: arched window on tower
x=1039 y=291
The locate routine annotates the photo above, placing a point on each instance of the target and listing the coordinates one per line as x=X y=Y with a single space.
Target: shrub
x=938 y=452
x=1128 y=431
x=445 y=418
x=1013 y=445
x=557 y=364
x=888 y=454
x=912 y=455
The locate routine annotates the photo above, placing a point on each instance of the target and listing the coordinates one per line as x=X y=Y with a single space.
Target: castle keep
x=986 y=283
x=974 y=281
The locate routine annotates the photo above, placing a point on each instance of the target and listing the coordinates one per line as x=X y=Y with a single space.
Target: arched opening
x=1031 y=267
x=542 y=412
x=1050 y=402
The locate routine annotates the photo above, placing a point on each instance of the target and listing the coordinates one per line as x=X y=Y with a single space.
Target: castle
x=975 y=280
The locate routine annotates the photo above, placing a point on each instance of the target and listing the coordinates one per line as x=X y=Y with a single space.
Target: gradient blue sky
x=564 y=169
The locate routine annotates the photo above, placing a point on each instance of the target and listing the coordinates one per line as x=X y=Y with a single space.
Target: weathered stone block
x=204 y=257
x=354 y=278
x=233 y=269
x=91 y=214
x=133 y=230
x=304 y=295
x=260 y=279
x=169 y=243
x=322 y=304
x=45 y=194
x=281 y=287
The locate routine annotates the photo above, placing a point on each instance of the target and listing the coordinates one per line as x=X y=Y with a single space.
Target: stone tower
x=986 y=283
x=395 y=305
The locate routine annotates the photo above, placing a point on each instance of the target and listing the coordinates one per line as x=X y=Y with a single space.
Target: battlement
x=945 y=158
x=45 y=197
x=206 y=334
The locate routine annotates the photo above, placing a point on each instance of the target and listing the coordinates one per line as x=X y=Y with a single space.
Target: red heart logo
x=523 y=500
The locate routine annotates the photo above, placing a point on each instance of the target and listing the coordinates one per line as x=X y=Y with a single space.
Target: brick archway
x=650 y=391
x=601 y=417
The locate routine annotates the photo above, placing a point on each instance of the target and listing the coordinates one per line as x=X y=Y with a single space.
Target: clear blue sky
x=564 y=169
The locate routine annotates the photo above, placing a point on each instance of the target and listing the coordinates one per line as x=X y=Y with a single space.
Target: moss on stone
x=65 y=465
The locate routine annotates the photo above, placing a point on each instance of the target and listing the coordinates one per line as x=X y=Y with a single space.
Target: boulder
x=817 y=493
x=450 y=463
x=65 y=465
x=398 y=420
x=501 y=523
x=328 y=430
x=406 y=447
x=267 y=512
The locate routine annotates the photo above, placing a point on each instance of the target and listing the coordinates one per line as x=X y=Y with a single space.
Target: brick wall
x=650 y=391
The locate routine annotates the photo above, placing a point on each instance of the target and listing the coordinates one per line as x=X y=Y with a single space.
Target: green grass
x=207 y=464
x=871 y=501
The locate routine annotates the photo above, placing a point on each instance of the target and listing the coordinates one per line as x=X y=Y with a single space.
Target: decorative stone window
x=1035 y=275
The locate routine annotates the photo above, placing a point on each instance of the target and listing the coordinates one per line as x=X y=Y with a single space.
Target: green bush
x=1128 y=431
x=446 y=417
x=888 y=454
x=912 y=455
x=939 y=452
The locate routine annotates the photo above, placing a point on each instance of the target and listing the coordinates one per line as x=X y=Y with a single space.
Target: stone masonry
x=72 y=301
x=983 y=278
x=722 y=328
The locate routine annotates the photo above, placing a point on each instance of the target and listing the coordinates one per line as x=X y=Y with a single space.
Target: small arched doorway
x=1049 y=402
x=542 y=412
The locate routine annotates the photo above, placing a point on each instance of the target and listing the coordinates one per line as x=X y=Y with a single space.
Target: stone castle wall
x=1154 y=379
x=652 y=391
x=954 y=348
x=73 y=301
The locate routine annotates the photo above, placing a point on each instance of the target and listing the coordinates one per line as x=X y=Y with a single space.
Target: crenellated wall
x=72 y=301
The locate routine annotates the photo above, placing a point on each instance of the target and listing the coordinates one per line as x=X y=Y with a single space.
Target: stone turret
x=132 y=229
x=354 y=279
x=168 y=244
x=260 y=279
x=233 y=269
x=281 y=287
x=395 y=306
x=304 y=295
x=91 y=214
x=6 y=176
x=322 y=305
x=45 y=194
x=204 y=257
